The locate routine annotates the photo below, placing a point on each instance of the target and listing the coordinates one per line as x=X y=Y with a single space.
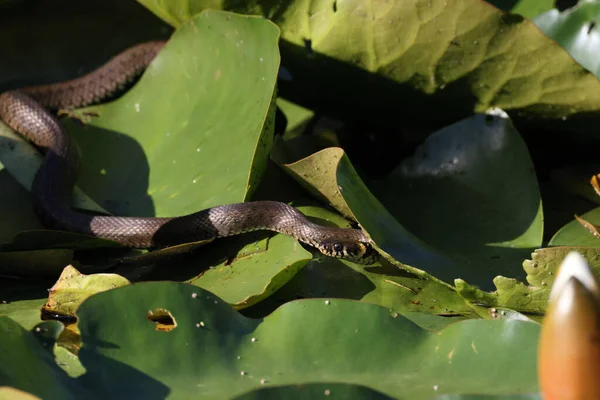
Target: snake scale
x=29 y=111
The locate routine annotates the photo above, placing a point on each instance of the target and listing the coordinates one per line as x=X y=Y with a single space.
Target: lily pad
x=22 y=299
x=224 y=354
x=411 y=57
x=576 y=30
x=530 y=297
x=25 y=312
x=212 y=85
x=254 y=275
x=574 y=234
x=470 y=191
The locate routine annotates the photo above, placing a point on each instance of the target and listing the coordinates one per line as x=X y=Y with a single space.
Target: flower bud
x=569 y=348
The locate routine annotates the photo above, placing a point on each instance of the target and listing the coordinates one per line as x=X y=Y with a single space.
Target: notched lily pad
x=232 y=355
x=576 y=30
x=530 y=297
x=258 y=270
x=470 y=191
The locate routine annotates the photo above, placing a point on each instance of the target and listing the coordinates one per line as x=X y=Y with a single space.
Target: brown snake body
x=26 y=111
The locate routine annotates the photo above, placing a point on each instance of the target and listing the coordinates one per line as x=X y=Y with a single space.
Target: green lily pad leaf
x=258 y=270
x=526 y=8
x=33 y=365
x=68 y=361
x=471 y=56
x=25 y=312
x=385 y=285
x=176 y=127
x=574 y=234
x=475 y=178
x=575 y=29
x=530 y=297
x=285 y=348
x=297 y=116
x=22 y=299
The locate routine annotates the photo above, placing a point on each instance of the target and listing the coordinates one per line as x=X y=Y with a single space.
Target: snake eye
x=337 y=247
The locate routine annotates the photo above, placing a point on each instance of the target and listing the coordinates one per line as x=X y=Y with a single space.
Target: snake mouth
x=350 y=250
x=370 y=256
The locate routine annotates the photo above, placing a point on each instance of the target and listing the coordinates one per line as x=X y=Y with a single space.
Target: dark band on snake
x=27 y=111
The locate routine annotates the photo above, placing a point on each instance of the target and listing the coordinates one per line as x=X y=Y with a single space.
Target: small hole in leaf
x=308 y=47
x=489 y=118
x=163 y=319
x=591 y=28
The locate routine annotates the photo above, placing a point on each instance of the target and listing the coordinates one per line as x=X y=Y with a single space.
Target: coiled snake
x=27 y=111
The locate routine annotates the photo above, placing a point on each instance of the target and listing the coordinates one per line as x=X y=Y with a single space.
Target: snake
x=31 y=112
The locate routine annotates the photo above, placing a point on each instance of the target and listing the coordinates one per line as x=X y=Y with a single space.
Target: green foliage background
x=438 y=128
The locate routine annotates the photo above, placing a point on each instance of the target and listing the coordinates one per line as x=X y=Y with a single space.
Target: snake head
x=351 y=250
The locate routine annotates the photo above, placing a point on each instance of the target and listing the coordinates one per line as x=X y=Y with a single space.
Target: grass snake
x=29 y=111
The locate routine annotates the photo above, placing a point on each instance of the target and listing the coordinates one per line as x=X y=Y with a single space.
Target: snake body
x=27 y=111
